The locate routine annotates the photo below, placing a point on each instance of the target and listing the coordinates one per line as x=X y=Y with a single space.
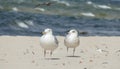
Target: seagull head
x=47 y=31
x=73 y=32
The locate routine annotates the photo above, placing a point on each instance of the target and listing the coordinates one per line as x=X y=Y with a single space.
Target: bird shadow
x=73 y=56
x=52 y=58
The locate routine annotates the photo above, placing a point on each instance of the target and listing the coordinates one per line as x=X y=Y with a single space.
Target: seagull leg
x=73 y=51
x=67 y=49
x=51 y=53
x=44 y=53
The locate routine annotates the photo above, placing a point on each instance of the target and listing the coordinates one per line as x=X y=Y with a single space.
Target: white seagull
x=72 y=40
x=48 y=41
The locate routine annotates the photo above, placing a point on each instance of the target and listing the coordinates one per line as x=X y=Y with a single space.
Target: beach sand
x=94 y=52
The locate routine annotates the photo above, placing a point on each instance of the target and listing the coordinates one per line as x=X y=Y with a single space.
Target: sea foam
x=29 y=22
x=102 y=6
x=15 y=9
x=88 y=14
x=40 y=9
x=22 y=24
x=62 y=2
x=89 y=2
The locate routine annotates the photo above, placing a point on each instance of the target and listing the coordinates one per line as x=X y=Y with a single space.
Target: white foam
x=29 y=22
x=15 y=9
x=62 y=2
x=40 y=9
x=65 y=3
x=89 y=2
x=102 y=6
x=22 y=24
x=88 y=14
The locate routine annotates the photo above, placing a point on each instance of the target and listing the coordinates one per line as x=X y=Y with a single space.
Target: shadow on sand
x=52 y=58
x=73 y=56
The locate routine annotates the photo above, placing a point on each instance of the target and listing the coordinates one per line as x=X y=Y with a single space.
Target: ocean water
x=89 y=17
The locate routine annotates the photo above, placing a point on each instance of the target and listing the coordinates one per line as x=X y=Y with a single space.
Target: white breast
x=48 y=42
x=71 y=41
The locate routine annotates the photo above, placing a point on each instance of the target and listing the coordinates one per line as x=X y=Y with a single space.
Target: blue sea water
x=89 y=17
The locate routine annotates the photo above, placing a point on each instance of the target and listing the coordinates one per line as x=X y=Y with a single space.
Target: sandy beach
x=94 y=52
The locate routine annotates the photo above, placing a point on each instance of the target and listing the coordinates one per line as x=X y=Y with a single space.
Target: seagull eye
x=49 y=30
x=73 y=31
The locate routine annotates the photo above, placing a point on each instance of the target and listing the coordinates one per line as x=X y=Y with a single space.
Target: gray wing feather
x=56 y=41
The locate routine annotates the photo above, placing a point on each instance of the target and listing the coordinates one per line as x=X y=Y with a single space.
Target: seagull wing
x=56 y=41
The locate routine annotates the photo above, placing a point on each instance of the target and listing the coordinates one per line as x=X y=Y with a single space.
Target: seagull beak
x=42 y=33
x=67 y=31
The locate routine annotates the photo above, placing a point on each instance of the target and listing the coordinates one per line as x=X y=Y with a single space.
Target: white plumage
x=72 y=40
x=48 y=41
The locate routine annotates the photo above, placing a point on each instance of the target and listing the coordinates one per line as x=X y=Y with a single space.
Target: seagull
x=72 y=40
x=48 y=41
